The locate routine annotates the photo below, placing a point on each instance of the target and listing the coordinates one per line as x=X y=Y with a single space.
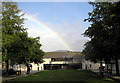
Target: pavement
x=23 y=73
x=114 y=77
x=111 y=76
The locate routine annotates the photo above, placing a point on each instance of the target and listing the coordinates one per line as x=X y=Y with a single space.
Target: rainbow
x=41 y=25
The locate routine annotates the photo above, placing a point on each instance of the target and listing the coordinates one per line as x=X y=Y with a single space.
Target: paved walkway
x=111 y=76
x=23 y=73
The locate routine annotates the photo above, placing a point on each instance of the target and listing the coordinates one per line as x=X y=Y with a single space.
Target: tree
x=17 y=47
x=11 y=25
x=28 y=50
x=37 y=53
x=105 y=28
x=113 y=23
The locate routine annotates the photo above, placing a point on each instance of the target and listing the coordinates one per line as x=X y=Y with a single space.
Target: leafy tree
x=105 y=29
x=112 y=20
x=17 y=47
x=11 y=25
x=37 y=54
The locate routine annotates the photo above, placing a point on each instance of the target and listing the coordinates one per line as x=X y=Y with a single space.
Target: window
x=52 y=59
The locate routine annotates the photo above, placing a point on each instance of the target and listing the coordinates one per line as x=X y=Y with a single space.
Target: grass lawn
x=66 y=75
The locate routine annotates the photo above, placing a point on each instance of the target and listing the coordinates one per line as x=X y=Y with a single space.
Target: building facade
x=112 y=66
x=61 y=60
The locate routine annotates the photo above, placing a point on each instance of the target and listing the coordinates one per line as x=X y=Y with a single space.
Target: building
x=61 y=60
x=64 y=60
x=112 y=66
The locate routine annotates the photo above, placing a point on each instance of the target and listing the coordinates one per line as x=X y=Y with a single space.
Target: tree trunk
x=7 y=66
x=101 y=71
x=101 y=63
x=107 y=67
x=28 y=69
x=117 y=66
x=20 y=69
x=111 y=69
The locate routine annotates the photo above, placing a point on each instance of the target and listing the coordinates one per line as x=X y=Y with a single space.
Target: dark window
x=52 y=59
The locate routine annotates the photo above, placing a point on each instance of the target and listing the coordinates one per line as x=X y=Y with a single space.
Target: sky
x=60 y=25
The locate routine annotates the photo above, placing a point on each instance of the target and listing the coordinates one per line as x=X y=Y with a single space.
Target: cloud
x=71 y=33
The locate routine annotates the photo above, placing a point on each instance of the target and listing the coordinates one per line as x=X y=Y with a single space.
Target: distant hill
x=62 y=53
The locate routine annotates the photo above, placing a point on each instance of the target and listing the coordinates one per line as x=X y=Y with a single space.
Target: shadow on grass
x=43 y=82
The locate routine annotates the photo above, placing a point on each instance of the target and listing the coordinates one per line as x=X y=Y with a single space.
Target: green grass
x=66 y=75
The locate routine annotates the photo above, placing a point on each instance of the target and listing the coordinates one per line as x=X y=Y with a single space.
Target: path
x=23 y=73
x=111 y=76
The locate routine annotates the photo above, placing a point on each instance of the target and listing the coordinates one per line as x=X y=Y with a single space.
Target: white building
x=62 y=60
x=112 y=66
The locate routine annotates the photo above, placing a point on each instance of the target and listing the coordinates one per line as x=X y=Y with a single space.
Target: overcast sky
x=66 y=19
